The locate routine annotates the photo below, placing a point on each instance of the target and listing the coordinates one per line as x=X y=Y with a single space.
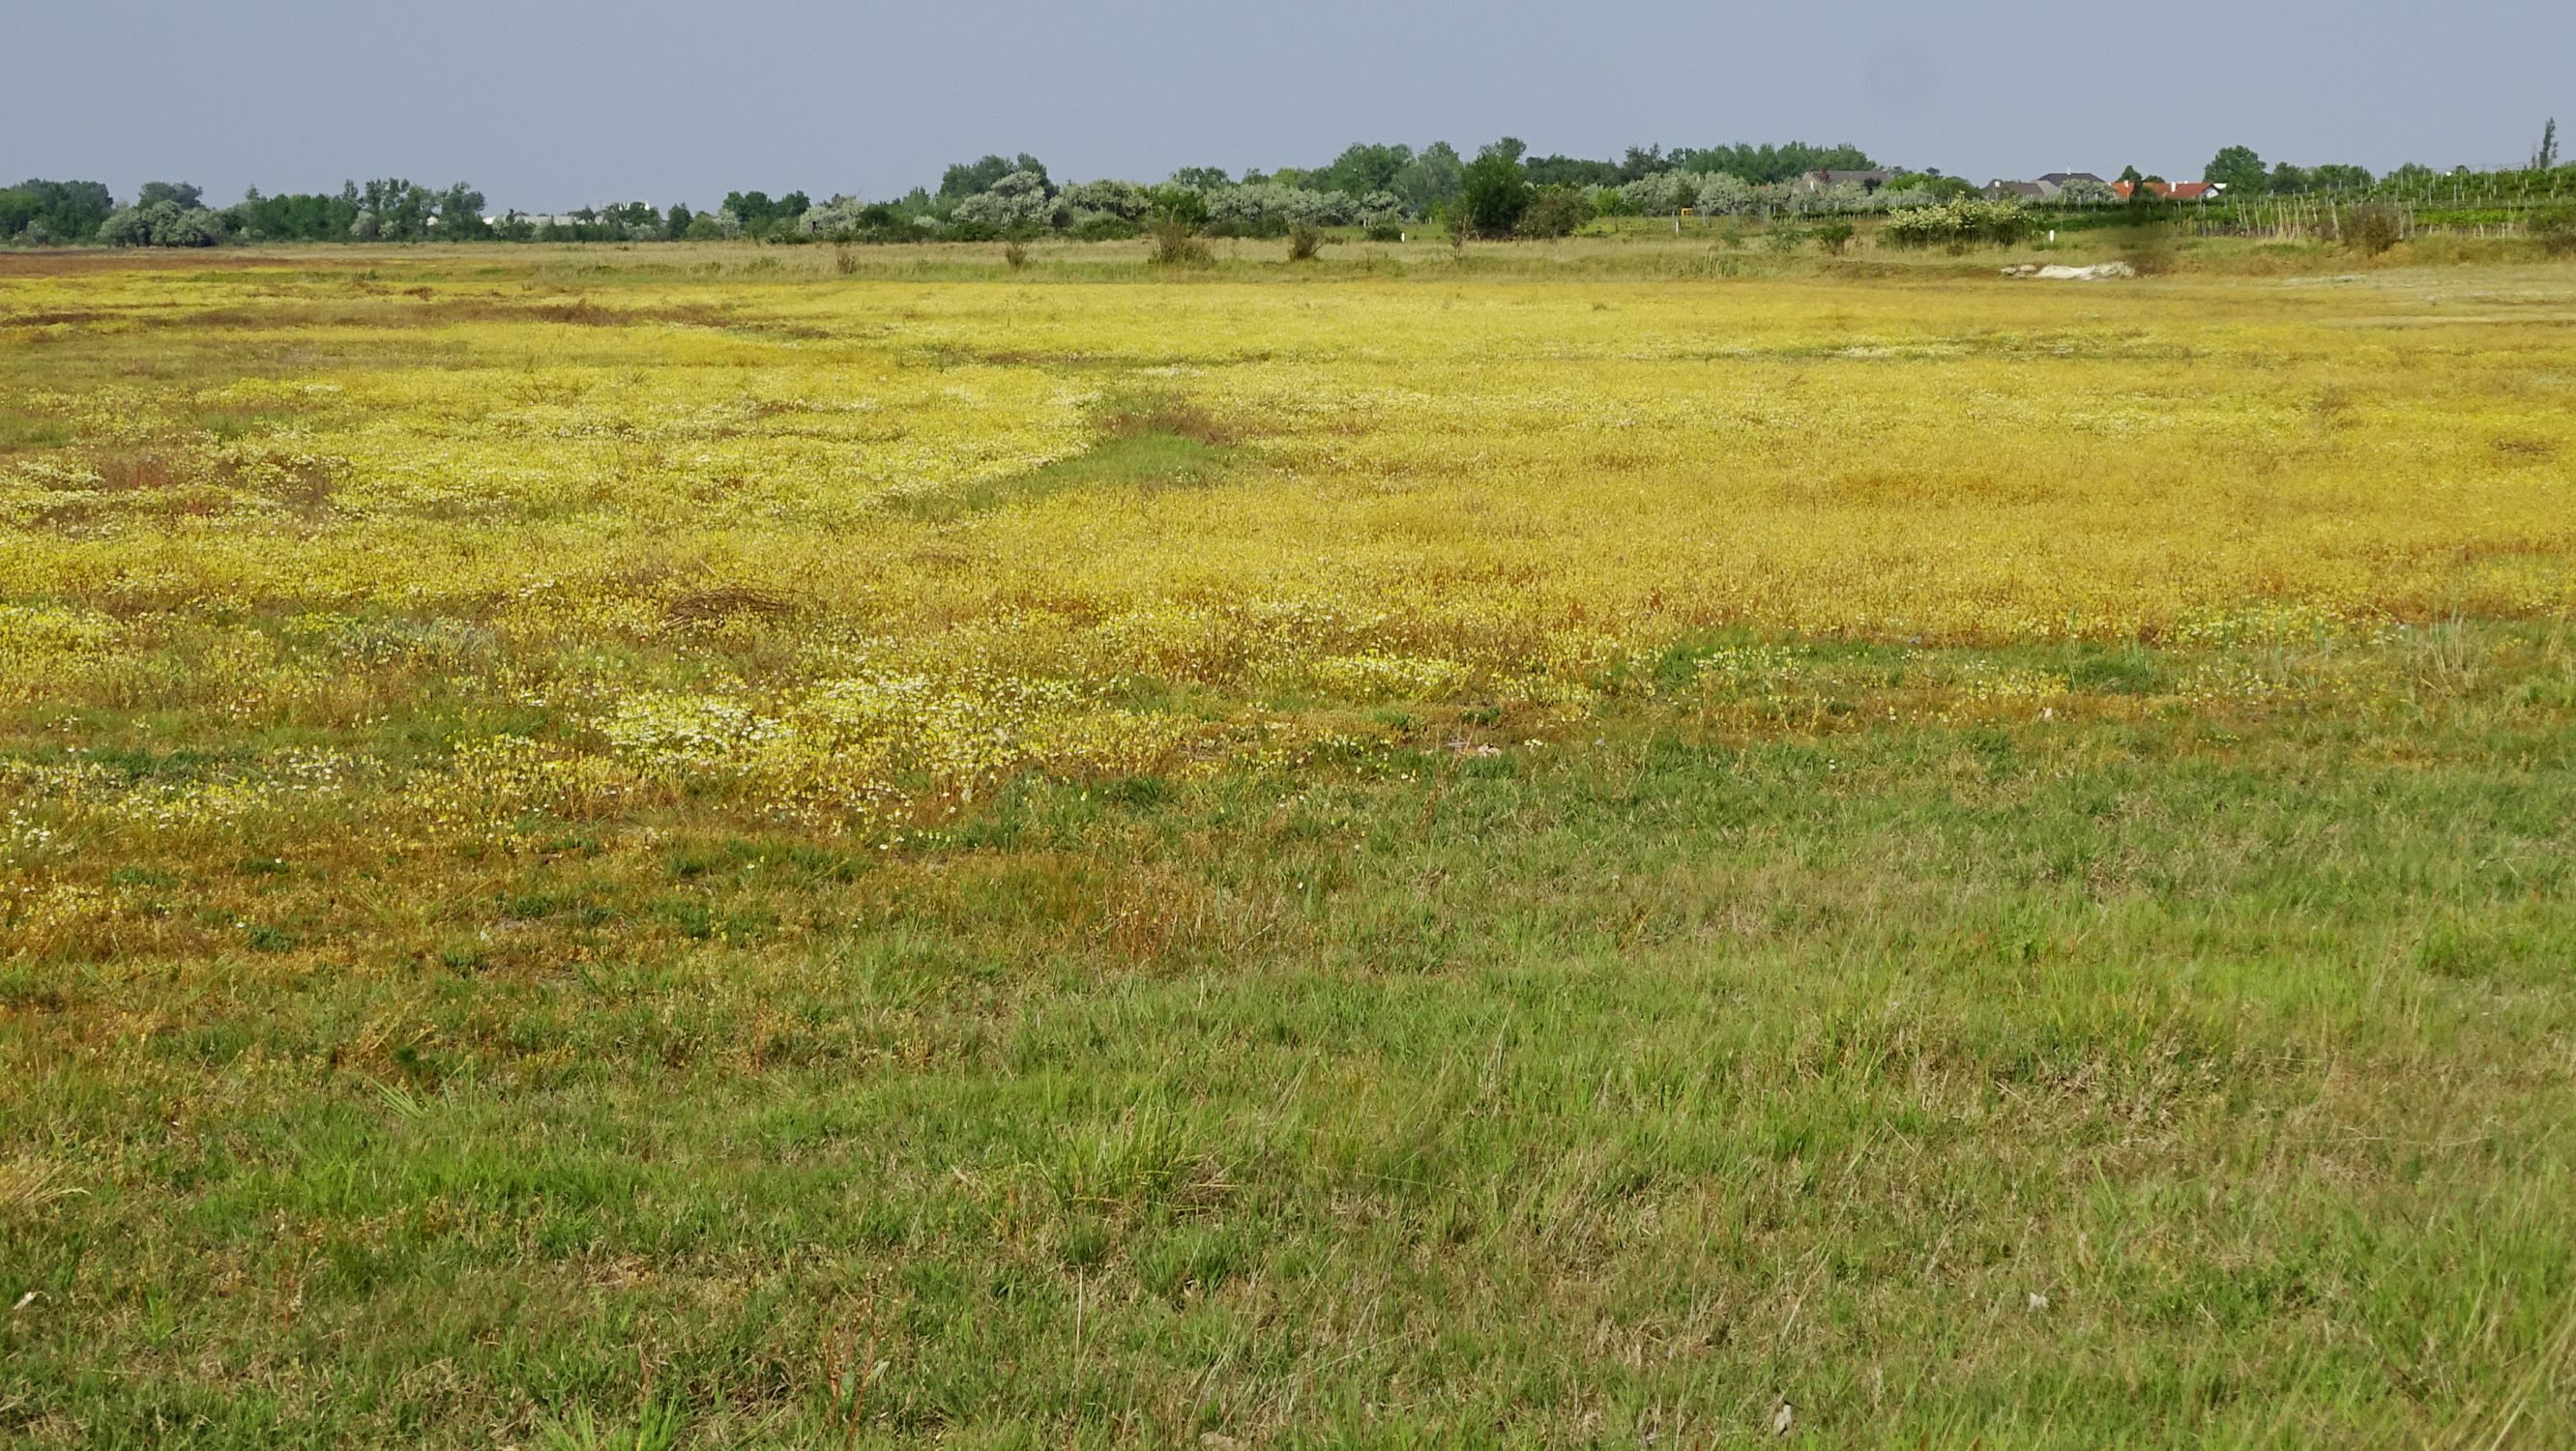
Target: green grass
x=1146 y=443
x=2185 y=1078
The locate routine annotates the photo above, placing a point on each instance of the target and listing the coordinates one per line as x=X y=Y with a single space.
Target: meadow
x=1540 y=844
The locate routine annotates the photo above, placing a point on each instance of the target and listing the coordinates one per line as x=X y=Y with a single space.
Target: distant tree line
x=174 y=214
x=1379 y=187
x=1372 y=185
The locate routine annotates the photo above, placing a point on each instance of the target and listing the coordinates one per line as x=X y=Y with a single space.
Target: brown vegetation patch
x=1178 y=417
x=403 y=310
x=66 y=318
x=135 y=472
x=726 y=601
x=71 y=261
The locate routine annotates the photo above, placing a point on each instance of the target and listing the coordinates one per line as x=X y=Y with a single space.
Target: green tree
x=1768 y=163
x=1183 y=208
x=460 y=214
x=162 y=222
x=1362 y=168
x=1554 y=211
x=1495 y=189
x=1572 y=171
x=973 y=178
x=1431 y=179
x=54 y=211
x=181 y=194
x=2237 y=168
x=1202 y=178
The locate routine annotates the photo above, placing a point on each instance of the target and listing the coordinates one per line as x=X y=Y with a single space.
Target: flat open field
x=680 y=848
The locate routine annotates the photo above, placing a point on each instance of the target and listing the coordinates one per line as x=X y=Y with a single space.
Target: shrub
x=1015 y=254
x=1305 y=239
x=1833 y=234
x=838 y=219
x=1268 y=209
x=2149 y=250
x=1177 y=244
x=1961 y=223
x=162 y=223
x=1019 y=202
x=125 y=227
x=1555 y=211
x=845 y=258
x=2370 y=230
x=1496 y=190
x=1100 y=227
x=1386 y=229
x=2556 y=230
x=1124 y=200
x=1186 y=203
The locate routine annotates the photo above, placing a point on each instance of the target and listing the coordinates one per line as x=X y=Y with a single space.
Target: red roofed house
x=2174 y=191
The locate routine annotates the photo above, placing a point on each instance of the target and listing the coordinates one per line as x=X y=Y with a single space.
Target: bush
x=1015 y=254
x=1186 y=203
x=1962 y=223
x=1124 y=200
x=2370 y=230
x=1105 y=228
x=2149 y=250
x=1496 y=191
x=1268 y=209
x=1386 y=229
x=163 y=223
x=2555 y=229
x=845 y=258
x=1555 y=211
x=1834 y=235
x=1305 y=239
x=838 y=219
x=1019 y=202
x=1177 y=244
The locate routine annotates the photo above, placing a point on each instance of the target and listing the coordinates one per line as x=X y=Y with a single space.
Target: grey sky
x=554 y=103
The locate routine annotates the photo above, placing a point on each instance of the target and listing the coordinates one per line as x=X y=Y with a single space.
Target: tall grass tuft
x=1177 y=244
x=2371 y=230
x=2556 y=230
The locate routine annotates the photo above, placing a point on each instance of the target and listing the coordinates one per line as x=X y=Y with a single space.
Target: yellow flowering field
x=1576 y=840
x=828 y=549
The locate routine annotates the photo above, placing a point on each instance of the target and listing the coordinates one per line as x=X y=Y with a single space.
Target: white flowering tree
x=1723 y=194
x=161 y=225
x=1124 y=200
x=1660 y=193
x=838 y=217
x=1021 y=201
